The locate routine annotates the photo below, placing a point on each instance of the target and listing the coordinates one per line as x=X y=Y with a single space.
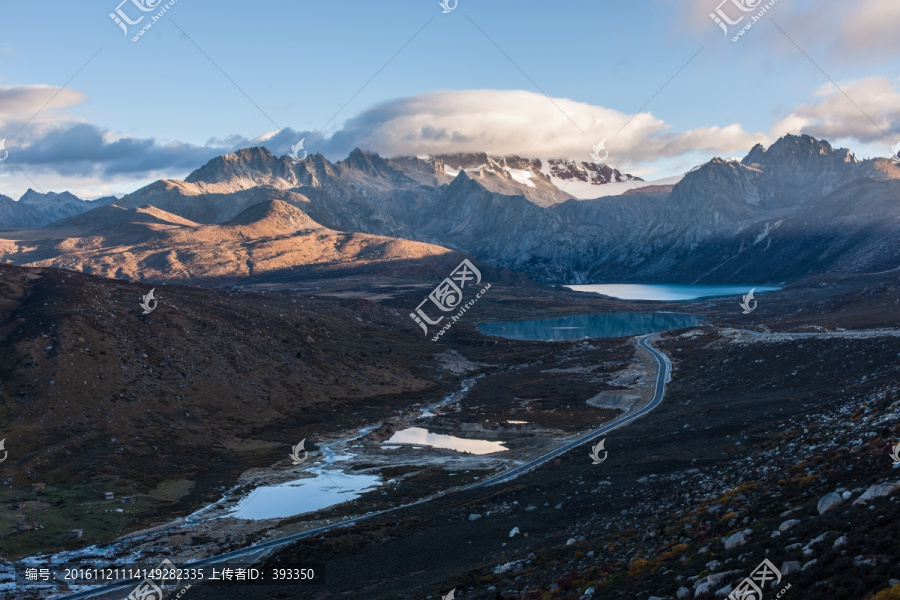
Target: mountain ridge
x=761 y=218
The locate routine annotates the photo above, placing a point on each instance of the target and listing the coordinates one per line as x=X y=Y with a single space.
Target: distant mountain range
x=797 y=208
x=37 y=210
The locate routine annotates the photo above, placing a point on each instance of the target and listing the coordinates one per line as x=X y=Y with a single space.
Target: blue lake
x=669 y=292
x=575 y=327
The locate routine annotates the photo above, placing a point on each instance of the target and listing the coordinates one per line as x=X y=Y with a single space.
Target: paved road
x=662 y=376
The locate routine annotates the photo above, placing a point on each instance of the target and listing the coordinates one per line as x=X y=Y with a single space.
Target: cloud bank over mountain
x=57 y=146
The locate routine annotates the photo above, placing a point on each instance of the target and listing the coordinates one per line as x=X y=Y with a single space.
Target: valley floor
x=757 y=427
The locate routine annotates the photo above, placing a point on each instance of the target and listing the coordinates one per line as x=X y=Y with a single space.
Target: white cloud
x=837 y=116
x=20 y=103
x=870 y=26
x=524 y=123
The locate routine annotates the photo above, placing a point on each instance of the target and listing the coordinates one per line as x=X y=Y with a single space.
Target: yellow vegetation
x=888 y=594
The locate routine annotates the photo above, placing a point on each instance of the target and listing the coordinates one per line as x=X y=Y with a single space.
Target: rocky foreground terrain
x=772 y=443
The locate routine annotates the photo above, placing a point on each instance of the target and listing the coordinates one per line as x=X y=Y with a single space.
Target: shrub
x=888 y=594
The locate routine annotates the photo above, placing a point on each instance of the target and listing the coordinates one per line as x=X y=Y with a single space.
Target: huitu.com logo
x=450 y=596
x=601 y=147
x=723 y=19
x=121 y=18
x=5 y=453
x=448 y=295
x=146 y=302
x=595 y=452
x=751 y=588
x=895 y=454
x=4 y=150
x=296 y=450
x=448 y=8
x=295 y=152
x=895 y=153
x=748 y=298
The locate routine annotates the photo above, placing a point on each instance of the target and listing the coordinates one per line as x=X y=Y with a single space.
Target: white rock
x=846 y=496
x=829 y=501
x=474 y=517
x=514 y=531
x=722 y=592
x=790 y=566
x=788 y=524
x=683 y=592
x=588 y=592
x=809 y=564
x=738 y=539
x=570 y=541
x=841 y=542
x=703 y=588
x=876 y=491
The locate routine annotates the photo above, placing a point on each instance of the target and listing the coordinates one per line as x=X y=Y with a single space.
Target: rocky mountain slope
x=798 y=208
x=266 y=240
x=37 y=210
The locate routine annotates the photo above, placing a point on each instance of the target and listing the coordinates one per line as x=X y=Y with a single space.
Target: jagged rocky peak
x=258 y=166
x=798 y=150
x=33 y=197
x=587 y=172
x=366 y=162
x=245 y=162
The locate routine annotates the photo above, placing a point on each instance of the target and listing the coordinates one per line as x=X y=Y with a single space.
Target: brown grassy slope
x=151 y=244
x=92 y=390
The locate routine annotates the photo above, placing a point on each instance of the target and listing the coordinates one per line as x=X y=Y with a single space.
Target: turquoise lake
x=669 y=292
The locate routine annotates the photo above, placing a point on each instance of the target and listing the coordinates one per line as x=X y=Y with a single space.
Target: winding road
x=662 y=376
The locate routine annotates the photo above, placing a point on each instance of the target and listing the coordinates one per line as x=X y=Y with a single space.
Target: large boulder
x=877 y=491
x=722 y=592
x=738 y=539
x=829 y=501
x=790 y=566
x=788 y=524
x=703 y=588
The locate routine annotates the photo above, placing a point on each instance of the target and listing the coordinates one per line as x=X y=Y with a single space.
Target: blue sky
x=158 y=108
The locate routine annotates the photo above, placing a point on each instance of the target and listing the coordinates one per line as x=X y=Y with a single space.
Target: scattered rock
x=876 y=491
x=570 y=541
x=788 y=524
x=683 y=592
x=790 y=566
x=841 y=542
x=514 y=531
x=809 y=564
x=829 y=501
x=738 y=539
x=474 y=516
x=703 y=588
x=722 y=592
